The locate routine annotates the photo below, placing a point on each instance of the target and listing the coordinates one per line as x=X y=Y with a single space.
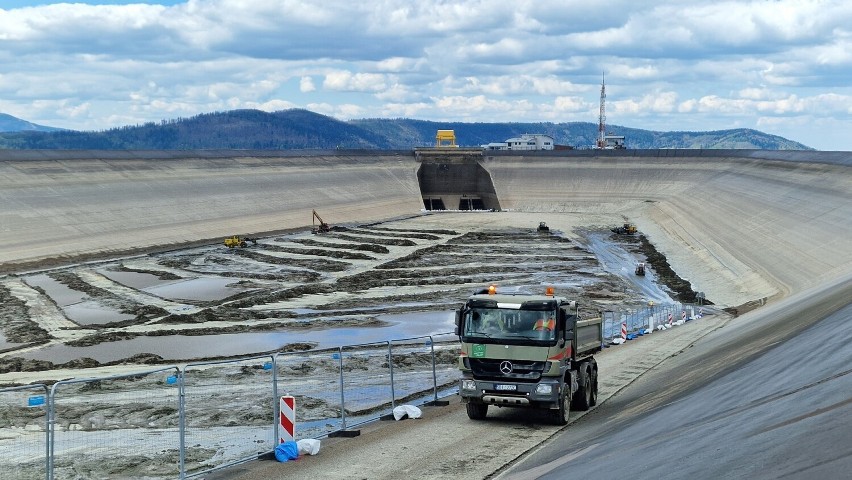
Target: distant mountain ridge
x=303 y=129
x=9 y=123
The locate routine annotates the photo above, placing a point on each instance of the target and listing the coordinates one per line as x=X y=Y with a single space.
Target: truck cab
x=524 y=350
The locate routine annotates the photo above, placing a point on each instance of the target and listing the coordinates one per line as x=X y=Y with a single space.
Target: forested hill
x=302 y=129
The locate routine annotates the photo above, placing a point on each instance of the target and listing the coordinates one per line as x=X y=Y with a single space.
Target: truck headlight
x=468 y=385
x=544 y=389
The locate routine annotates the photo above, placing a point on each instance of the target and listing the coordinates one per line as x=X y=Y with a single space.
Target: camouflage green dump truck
x=532 y=351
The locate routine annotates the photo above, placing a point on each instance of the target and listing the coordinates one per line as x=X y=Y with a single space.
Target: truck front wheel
x=560 y=415
x=477 y=411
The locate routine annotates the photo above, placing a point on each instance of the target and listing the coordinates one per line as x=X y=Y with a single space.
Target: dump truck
x=626 y=229
x=640 y=269
x=235 y=241
x=527 y=351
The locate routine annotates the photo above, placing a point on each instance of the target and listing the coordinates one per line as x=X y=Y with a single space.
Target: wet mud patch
x=415 y=230
x=320 y=252
x=502 y=236
x=15 y=320
x=392 y=234
x=399 y=242
x=215 y=315
x=283 y=295
x=320 y=265
x=365 y=247
x=682 y=289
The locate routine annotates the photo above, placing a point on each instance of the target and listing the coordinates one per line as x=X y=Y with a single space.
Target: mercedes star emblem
x=506 y=367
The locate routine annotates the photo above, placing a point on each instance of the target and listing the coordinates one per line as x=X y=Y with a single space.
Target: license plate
x=506 y=387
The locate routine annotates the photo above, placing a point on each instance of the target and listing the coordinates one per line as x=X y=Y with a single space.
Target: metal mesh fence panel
x=447 y=371
x=367 y=384
x=116 y=427
x=415 y=379
x=229 y=412
x=313 y=379
x=23 y=432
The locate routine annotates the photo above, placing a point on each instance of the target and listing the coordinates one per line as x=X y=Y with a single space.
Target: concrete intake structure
x=773 y=222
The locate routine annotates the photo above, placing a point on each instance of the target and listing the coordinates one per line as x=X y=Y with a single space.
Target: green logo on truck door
x=478 y=350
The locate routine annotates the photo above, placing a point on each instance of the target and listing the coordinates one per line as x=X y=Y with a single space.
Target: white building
x=527 y=141
x=614 y=141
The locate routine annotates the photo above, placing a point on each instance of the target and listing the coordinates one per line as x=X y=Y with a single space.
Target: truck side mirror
x=458 y=322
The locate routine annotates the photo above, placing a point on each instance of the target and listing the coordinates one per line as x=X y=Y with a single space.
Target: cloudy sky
x=782 y=67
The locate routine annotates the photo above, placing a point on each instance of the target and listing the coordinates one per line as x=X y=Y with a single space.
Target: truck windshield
x=506 y=324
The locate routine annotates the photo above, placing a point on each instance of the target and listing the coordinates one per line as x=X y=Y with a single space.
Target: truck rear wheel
x=583 y=398
x=477 y=411
x=594 y=393
x=560 y=415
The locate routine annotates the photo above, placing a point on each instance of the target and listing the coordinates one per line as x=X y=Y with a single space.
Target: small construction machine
x=626 y=229
x=543 y=228
x=640 y=269
x=319 y=226
x=235 y=241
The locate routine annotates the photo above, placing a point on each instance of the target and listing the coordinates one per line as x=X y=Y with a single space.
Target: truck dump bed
x=588 y=336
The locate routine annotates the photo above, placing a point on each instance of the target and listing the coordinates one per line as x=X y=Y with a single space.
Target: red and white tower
x=602 y=119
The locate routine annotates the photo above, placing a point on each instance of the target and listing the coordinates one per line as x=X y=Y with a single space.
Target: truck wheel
x=583 y=399
x=594 y=390
x=477 y=411
x=560 y=415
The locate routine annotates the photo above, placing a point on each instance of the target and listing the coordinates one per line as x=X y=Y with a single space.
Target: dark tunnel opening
x=455 y=179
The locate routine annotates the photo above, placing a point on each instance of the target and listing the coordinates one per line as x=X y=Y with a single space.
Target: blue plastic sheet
x=287 y=451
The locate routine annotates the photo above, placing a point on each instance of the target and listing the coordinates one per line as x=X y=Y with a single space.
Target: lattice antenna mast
x=602 y=118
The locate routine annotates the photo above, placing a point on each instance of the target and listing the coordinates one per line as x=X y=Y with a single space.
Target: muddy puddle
x=5 y=344
x=137 y=280
x=60 y=294
x=181 y=347
x=360 y=285
x=205 y=289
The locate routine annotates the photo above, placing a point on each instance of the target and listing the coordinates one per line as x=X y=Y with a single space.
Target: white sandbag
x=410 y=411
x=308 y=446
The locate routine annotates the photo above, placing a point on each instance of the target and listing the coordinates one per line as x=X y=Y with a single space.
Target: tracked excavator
x=319 y=226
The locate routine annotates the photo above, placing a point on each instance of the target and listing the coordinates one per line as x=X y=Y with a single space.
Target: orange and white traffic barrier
x=624 y=331
x=671 y=317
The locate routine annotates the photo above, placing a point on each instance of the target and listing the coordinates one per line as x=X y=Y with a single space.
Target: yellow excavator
x=235 y=241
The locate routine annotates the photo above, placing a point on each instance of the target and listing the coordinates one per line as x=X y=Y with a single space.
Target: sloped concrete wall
x=64 y=204
x=741 y=226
